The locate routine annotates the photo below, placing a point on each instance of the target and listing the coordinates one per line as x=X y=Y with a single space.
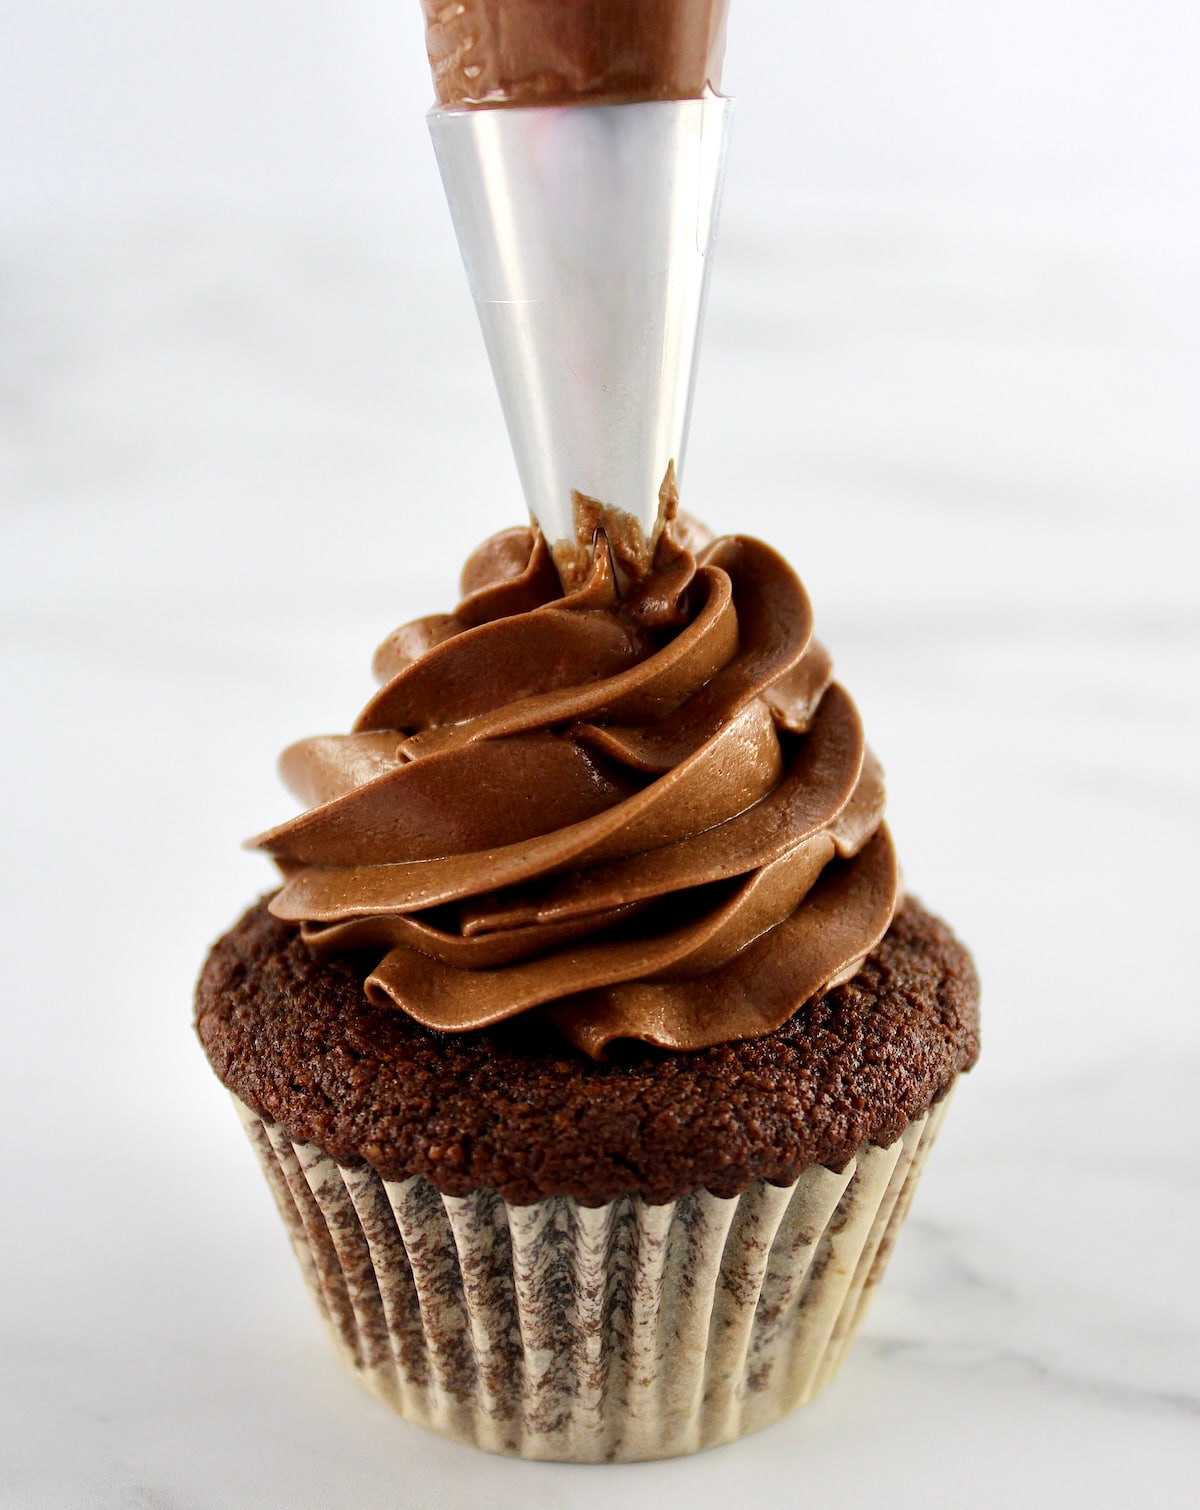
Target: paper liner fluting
x=612 y=1333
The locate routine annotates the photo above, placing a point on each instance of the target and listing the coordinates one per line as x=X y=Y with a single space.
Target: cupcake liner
x=592 y=1334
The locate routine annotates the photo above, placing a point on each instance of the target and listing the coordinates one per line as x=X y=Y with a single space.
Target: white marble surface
x=233 y=456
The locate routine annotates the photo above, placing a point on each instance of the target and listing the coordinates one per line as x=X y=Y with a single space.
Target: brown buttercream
x=554 y=52
x=641 y=812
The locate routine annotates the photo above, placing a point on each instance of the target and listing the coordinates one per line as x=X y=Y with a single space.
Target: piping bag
x=582 y=146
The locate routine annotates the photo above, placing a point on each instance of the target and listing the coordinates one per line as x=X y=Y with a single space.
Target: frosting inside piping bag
x=553 y=52
x=643 y=811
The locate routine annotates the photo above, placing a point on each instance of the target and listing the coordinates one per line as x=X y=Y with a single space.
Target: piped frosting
x=642 y=811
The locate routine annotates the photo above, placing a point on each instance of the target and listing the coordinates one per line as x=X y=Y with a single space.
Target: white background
x=246 y=427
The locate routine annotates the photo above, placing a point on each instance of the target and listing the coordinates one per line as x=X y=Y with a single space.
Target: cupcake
x=590 y=1046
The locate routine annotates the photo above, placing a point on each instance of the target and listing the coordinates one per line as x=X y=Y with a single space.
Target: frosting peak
x=641 y=811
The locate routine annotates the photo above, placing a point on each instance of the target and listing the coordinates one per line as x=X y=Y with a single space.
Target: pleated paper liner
x=613 y=1333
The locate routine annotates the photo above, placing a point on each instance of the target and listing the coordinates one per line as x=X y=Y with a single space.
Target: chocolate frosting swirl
x=644 y=811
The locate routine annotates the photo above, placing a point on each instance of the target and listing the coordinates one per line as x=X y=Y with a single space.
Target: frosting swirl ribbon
x=645 y=812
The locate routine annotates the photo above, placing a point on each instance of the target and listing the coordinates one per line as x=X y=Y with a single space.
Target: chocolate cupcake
x=589 y=1046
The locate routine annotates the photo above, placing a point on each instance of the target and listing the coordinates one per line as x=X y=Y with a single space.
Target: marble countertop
x=234 y=456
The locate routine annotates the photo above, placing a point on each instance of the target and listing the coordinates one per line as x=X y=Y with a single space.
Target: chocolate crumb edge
x=516 y=1109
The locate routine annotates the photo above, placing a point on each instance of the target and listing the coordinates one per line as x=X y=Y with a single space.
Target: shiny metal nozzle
x=586 y=231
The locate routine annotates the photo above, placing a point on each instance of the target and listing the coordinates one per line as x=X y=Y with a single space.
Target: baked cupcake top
x=640 y=809
x=515 y=1108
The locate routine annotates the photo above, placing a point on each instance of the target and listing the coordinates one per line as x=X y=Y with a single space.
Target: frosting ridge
x=643 y=810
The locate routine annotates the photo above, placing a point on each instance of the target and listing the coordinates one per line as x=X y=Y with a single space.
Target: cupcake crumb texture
x=515 y=1109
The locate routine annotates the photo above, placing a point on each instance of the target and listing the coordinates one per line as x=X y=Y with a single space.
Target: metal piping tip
x=586 y=231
